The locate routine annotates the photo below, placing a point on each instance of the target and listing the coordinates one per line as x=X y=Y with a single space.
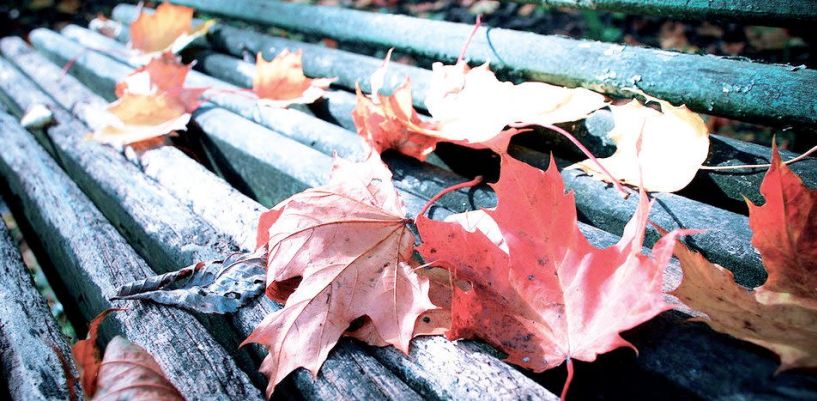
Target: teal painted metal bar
x=762 y=12
x=772 y=94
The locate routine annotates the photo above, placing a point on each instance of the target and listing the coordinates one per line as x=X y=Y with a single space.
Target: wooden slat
x=32 y=348
x=761 y=12
x=669 y=348
x=738 y=89
x=726 y=189
x=501 y=381
x=93 y=259
x=729 y=244
x=348 y=374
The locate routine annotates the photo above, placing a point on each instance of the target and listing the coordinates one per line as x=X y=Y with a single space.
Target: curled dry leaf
x=152 y=102
x=168 y=29
x=206 y=287
x=128 y=372
x=281 y=82
x=536 y=288
x=470 y=107
x=87 y=354
x=781 y=315
x=656 y=150
x=349 y=245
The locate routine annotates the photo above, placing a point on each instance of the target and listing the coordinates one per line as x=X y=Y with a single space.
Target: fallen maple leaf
x=788 y=329
x=165 y=74
x=349 y=243
x=281 y=81
x=168 y=29
x=469 y=107
x=87 y=355
x=780 y=315
x=535 y=288
x=656 y=150
x=152 y=102
x=390 y=121
x=472 y=105
x=785 y=232
x=128 y=372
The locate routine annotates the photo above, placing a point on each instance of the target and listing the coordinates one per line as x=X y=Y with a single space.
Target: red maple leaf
x=780 y=315
x=531 y=283
x=349 y=244
x=784 y=230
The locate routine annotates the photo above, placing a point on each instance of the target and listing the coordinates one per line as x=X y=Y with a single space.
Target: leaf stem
x=445 y=191
x=590 y=156
x=477 y=24
x=569 y=379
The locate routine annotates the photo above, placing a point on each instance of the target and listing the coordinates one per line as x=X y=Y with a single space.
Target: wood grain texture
x=728 y=242
x=737 y=89
x=725 y=189
x=326 y=141
x=32 y=347
x=654 y=359
x=676 y=361
x=93 y=259
x=349 y=374
x=238 y=141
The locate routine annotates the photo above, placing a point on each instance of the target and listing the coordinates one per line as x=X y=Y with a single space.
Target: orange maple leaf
x=170 y=28
x=536 y=289
x=780 y=315
x=87 y=354
x=152 y=102
x=281 y=81
x=349 y=243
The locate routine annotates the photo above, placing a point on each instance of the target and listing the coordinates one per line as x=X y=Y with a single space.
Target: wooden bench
x=103 y=219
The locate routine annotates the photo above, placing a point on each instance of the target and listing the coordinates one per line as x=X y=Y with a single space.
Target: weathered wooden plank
x=500 y=380
x=93 y=259
x=675 y=356
x=738 y=89
x=671 y=368
x=349 y=373
x=32 y=348
x=762 y=12
x=726 y=189
x=327 y=141
x=727 y=242
x=207 y=195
